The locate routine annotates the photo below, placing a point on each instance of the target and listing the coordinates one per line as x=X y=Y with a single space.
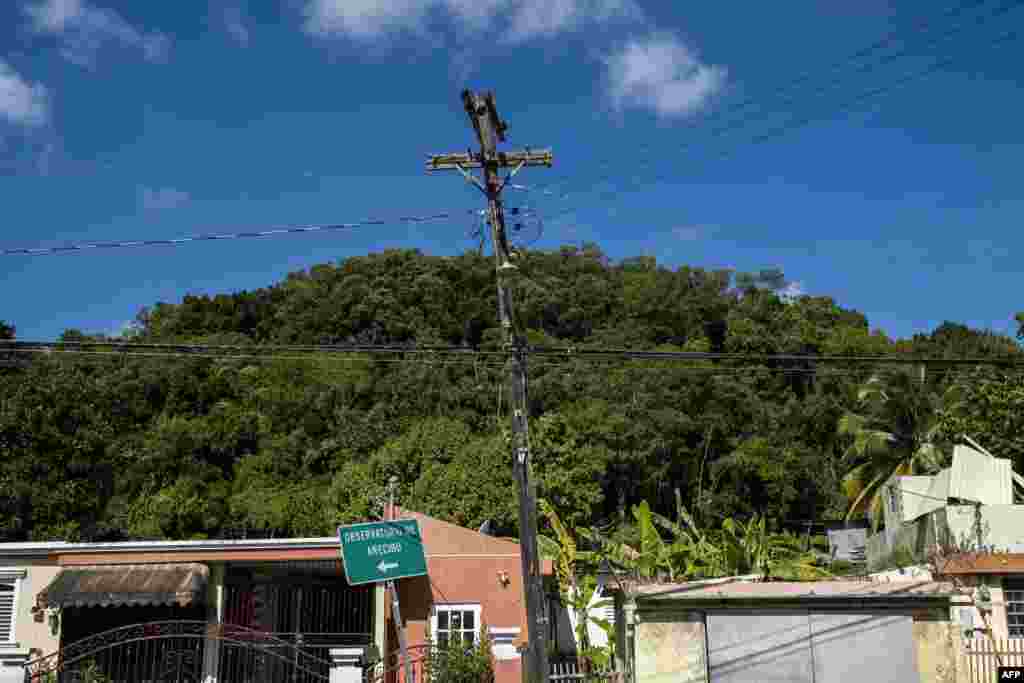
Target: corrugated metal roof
x=980 y=478
x=792 y=590
x=127 y=585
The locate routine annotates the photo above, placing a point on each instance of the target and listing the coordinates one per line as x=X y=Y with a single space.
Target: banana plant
x=577 y=589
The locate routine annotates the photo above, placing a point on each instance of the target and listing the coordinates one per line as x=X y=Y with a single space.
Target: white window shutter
x=6 y=612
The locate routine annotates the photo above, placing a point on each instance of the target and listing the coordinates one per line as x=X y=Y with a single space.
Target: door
x=760 y=647
x=810 y=647
x=876 y=648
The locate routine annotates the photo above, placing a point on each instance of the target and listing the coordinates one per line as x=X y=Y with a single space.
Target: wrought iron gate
x=173 y=652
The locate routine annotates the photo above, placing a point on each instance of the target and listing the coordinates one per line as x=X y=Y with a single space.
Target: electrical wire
x=795 y=121
x=575 y=353
x=784 y=88
x=235 y=235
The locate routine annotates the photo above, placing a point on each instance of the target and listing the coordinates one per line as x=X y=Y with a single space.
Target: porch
x=252 y=621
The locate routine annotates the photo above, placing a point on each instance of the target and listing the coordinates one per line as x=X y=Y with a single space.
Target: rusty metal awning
x=181 y=584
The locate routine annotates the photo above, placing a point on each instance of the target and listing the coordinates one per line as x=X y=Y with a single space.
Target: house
x=970 y=503
x=821 y=632
x=225 y=610
x=970 y=507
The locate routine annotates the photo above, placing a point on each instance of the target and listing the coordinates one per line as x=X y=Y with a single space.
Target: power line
x=568 y=352
x=546 y=361
x=795 y=121
x=248 y=349
x=786 y=87
x=1015 y=361
x=235 y=235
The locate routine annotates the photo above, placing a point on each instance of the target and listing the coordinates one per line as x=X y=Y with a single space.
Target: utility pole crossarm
x=451 y=162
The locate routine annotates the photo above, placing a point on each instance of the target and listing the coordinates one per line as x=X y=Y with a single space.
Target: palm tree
x=895 y=432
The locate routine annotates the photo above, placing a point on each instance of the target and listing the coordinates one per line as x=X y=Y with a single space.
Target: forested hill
x=103 y=447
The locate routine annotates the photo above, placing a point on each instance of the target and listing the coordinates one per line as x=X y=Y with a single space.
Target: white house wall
x=980 y=478
x=915 y=497
x=1002 y=525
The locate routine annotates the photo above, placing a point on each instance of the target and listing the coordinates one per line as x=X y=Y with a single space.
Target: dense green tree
x=107 y=446
x=989 y=408
x=895 y=432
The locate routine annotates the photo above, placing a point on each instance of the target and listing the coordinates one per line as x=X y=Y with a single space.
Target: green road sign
x=382 y=551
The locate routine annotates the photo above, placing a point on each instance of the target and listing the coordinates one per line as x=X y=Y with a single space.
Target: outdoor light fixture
x=53 y=617
x=503 y=578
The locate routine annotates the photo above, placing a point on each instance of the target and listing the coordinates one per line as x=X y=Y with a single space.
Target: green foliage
x=459 y=662
x=898 y=558
x=103 y=447
x=695 y=552
x=989 y=408
x=895 y=432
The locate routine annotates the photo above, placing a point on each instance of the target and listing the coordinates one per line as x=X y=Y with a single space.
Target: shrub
x=459 y=662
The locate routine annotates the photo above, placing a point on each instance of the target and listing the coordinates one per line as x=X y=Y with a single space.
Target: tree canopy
x=108 y=447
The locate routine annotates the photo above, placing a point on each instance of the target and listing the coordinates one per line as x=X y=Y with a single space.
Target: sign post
x=375 y=552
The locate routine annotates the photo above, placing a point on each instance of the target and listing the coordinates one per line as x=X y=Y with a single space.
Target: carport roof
x=792 y=590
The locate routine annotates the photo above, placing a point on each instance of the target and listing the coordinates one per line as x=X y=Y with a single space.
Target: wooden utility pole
x=490 y=130
x=392 y=589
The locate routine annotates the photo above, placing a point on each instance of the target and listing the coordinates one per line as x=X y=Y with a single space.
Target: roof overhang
x=181 y=584
x=987 y=563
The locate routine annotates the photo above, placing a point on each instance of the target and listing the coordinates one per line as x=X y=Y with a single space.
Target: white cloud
x=84 y=29
x=363 y=18
x=22 y=103
x=234 y=22
x=525 y=19
x=793 y=290
x=662 y=74
x=163 y=198
x=545 y=18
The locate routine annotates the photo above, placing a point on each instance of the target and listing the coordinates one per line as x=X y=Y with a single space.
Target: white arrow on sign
x=383 y=567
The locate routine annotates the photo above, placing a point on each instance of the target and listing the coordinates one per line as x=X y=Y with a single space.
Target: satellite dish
x=486 y=528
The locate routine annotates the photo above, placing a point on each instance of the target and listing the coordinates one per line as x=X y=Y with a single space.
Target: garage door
x=760 y=647
x=877 y=648
x=804 y=647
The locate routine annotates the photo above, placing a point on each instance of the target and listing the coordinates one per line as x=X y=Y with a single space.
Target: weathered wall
x=670 y=649
x=1002 y=526
x=938 y=645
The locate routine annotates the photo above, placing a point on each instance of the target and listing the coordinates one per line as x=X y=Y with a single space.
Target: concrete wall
x=670 y=648
x=1002 y=526
x=938 y=643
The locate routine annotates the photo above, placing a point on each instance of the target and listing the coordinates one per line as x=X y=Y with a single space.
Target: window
x=8 y=605
x=459 y=623
x=1014 y=591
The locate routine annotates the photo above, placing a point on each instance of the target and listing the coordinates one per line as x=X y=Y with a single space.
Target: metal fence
x=985 y=655
x=568 y=670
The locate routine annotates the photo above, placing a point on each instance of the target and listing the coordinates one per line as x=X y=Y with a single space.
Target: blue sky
x=125 y=120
